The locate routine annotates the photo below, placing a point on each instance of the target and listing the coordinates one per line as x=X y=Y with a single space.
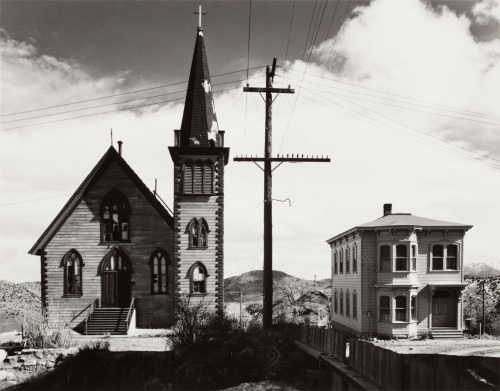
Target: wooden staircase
x=450 y=333
x=109 y=321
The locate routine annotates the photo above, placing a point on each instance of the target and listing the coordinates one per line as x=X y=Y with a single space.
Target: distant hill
x=480 y=269
x=15 y=301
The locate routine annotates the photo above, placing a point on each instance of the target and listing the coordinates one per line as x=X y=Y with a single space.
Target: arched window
x=198 y=177
x=341 y=262
x=115 y=213
x=341 y=302
x=347 y=261
x=198 y=276
x=72 y=263
x=385 y=309
x=159 y=272
x=355 y=259
x=354 y=305
x=437 y=257
x=385 y=258
x=335 y=263
x=115 y=261
x=401 y=257
x=198 y=233
x=347 y=304
x=335 y=301
x=401 y=308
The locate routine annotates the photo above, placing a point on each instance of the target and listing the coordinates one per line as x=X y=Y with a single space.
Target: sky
x=401 y=95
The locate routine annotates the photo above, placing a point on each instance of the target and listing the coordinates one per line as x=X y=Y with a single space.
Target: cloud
x=426 y=58
x=487 y=11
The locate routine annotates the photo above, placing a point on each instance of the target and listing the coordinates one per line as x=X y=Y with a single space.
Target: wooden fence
x=395 y=371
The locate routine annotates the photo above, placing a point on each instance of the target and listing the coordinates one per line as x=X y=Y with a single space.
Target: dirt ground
x=457 y=347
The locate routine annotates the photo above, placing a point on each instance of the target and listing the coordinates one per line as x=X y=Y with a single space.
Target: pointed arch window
x=115 y=261
x=198 y=177
x=115 y=215
x=159 y=272
x=72 y=263
x=198 y=233
x=198 y=279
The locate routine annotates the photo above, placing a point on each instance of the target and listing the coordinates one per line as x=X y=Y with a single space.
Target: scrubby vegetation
x=38 y=335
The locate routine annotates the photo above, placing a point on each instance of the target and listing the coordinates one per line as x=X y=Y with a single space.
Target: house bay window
x=401 y=309
x=444 y=258
x=401 y=258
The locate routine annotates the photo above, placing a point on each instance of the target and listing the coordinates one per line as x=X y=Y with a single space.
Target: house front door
x=115 y=289
x=442 y=310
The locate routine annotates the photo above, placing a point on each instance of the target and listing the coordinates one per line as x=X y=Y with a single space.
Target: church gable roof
x=199 y=126
x=109 y=157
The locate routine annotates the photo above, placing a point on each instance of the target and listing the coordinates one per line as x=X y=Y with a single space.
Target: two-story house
x=398 y=276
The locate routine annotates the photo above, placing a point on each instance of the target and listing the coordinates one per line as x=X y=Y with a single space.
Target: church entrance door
x=115 y=289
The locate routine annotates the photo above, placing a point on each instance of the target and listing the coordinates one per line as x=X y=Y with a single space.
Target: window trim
x=152 y=258
x=64 y=264
x=201 y=225
x=207 y=177
x=190 y=275
x=445 y=246
x=117 y=196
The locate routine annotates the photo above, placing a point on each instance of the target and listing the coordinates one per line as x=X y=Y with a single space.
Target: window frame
x=401 y=263
x=354 y=305
x=401 y=310
x=108 y=223
x=384 y=311
x=205 y=185
x=154 y=257
x=193 y=291
x=444 y=258
x=77 y=271
x=200 y=228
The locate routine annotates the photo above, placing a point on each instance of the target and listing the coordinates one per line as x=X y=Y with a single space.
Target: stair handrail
x=129 y=314
x=92 y=308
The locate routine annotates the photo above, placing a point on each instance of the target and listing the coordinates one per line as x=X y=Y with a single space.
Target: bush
x=38 y=335
x=218 y=352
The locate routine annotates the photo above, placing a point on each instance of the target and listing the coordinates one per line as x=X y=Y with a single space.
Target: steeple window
x=198 y=233
x=198 y=177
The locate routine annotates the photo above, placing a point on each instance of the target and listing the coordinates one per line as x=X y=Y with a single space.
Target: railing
x=91 y=307
x=130 y=311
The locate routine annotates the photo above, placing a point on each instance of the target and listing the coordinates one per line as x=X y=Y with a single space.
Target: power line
x=110 y=111
x=404 y=102
x=288 y=69
x=249 y=27
x=116 y=103
x=289 y=32
x=123 y=93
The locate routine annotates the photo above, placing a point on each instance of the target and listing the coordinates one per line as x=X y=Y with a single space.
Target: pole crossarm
x=271 y=90
x=282 y=159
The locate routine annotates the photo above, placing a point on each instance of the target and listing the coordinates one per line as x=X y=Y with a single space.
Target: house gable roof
x=109 y=157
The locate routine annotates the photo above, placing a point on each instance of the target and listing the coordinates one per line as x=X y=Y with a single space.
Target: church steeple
x=199 y=123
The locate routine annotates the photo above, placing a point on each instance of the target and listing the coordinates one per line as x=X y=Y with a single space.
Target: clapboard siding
x=210 y=208
x=82 y=232
x=370 y=284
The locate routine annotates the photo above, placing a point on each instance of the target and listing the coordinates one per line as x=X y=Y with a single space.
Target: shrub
x=38 y=335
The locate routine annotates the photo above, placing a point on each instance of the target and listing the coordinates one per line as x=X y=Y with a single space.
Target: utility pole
x=268 y=184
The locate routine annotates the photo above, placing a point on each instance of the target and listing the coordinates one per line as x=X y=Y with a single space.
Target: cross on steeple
x=199 y=13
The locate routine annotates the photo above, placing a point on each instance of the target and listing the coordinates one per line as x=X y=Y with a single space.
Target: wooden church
x=115 y=258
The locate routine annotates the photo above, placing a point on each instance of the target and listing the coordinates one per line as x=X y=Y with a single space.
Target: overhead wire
x=121 y=94
x=110 y=111
x=289 y=32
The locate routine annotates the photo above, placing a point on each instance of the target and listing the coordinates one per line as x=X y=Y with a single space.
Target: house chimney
x=387 y=209
x=120 y=147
